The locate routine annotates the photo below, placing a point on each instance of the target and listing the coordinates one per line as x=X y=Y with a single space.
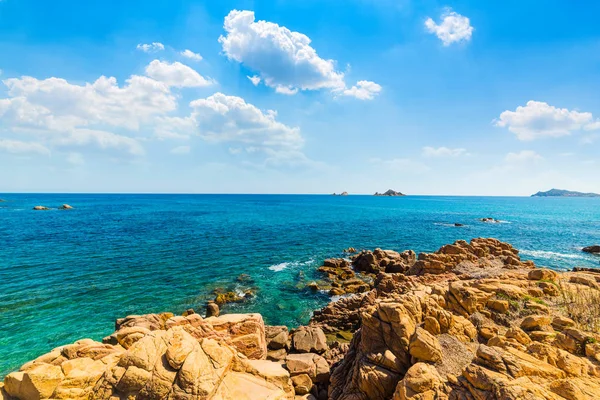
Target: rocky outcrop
x=40 y=208
x=592 y=249
x=469 y=321
x=65 y=207
x=389 y=192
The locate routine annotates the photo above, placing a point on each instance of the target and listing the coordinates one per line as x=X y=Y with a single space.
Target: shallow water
x=65 y=275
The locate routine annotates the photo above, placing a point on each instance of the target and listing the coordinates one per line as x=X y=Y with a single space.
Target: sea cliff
x=469 y=321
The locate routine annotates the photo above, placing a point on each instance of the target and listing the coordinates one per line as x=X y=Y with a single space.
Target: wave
x=284 y=265
x=551 y=254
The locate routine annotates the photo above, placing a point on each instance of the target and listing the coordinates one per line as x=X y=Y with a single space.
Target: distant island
x=563 y=193
x=389 y=193
x=341 y=194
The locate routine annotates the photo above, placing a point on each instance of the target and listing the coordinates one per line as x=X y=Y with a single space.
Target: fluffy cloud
x=453 y=28
x=175 y=74
x=18 y=147
x=100 y=114
x=221 y=118
x=524 y=156
x=150 y=48
x=443 y=152
x=191 y=55
x=283 y=58
x=363 y=90
x=538 y=119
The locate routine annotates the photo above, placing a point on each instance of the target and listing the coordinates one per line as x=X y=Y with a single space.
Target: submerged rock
x=41 y=208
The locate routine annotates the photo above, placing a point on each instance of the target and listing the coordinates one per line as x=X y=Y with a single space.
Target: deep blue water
x=66 y=275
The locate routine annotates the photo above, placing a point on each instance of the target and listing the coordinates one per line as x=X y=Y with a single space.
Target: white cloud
x=286 y=90
x=364 y=90
x=592 y=126
x=453 y=28
x=18 y=147
x=443 y=152
x=75 y=159
x=221 y=118
x=523 y=156
x=181 y=150
x=254 y=79
x=538 y=119
x=151 y=48
x=191 y=55
x=175 y=74
x=100 y=114
x=282 y=58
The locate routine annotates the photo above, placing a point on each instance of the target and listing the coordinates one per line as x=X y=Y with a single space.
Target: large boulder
x=245 y=331
x=309 y=339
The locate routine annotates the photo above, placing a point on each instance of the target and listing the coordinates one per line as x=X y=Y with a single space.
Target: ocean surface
x=67 y=275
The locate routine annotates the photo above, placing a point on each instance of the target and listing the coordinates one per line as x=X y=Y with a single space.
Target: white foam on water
x=551 y=254
x=279 y=267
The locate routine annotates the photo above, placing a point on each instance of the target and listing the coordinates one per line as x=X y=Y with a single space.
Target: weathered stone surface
x=246 y=332
x=424 y=346
x=309 y=339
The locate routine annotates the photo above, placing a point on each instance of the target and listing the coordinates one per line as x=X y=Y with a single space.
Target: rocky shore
x=471 y=321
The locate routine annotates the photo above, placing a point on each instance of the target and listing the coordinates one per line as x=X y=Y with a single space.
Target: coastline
x=448 y=317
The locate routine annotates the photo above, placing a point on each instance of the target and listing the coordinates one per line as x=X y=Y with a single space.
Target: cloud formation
x=176 y=74
x=151 y=48
x=452 y=28
x=191 y=55
x=19 y=147
x=364 y=90
x=538 y=120
x=284 y=59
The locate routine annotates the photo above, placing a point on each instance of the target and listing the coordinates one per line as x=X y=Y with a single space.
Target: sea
x=69 y=274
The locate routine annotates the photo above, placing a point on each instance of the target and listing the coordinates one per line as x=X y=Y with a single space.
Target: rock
x=245 y=331
x=500 y=306
x=308 y=339
x=592 y=249
x=65 y=207
x=350 y=250
x=228 y=297
x=542 y=274
x=313 y=286
x=490 y=220
x=389 y=192
x=277 y=337
x=422 y=381
x=302 y=384
x=458 y=224
x=36 y=383
x=424 y=346
x=212 y=309
x=535 y=322
x=559 y=323
x=40 y=208
x=313 y=365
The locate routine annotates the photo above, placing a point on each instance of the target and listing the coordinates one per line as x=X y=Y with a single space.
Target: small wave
x=281 y=266
x=551 y=254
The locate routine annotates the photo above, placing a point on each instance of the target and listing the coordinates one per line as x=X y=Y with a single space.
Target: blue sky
x=427 y=97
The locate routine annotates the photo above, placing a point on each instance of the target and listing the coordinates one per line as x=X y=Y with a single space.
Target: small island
x=390 y=192
x=564 y=193
x=341 y=194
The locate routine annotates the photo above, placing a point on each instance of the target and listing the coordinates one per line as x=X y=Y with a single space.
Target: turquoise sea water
x=66 y=275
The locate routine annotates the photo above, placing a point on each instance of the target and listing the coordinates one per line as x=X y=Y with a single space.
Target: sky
x=299 y=96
